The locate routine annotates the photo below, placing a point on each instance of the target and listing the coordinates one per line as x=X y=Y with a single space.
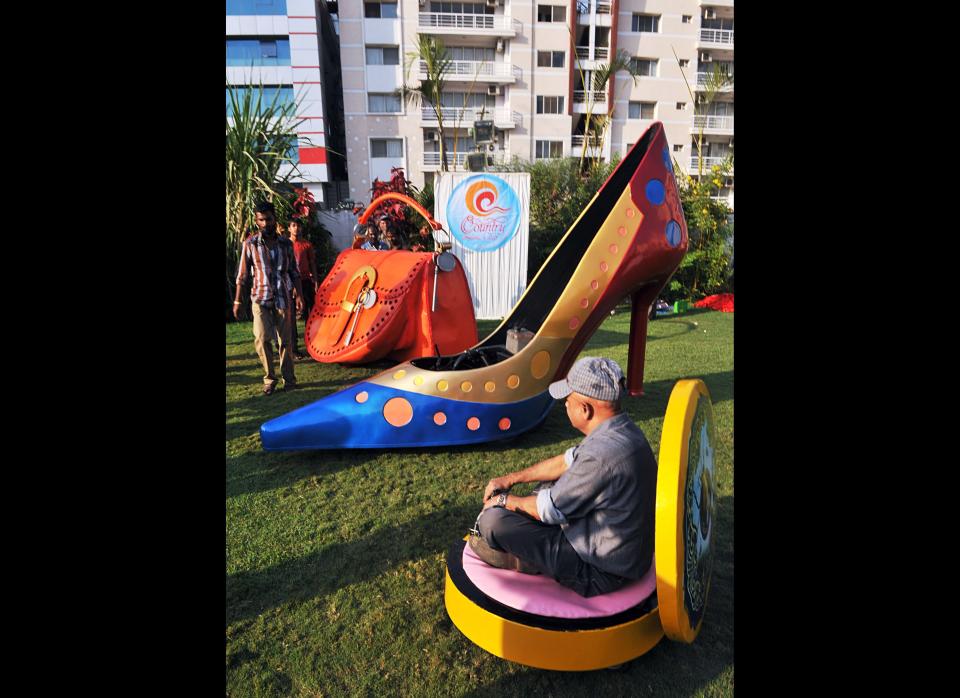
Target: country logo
x=483 y=213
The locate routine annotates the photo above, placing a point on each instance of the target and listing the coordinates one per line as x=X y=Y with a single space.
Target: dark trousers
x=546 y=548
x=309 y=296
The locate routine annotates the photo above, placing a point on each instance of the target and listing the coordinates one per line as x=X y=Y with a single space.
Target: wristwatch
x=501 y=500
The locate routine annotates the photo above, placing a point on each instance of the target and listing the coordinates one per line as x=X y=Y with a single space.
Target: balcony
x=594 y=149
x=454 y=23
x=593 y=100
x=702 y=82
x=716 y=38
x=720 y=125
x=464 y=117
x=460 y=71
x=458 y=161
x=576 y=141
x=600 y=53
x=708 y=162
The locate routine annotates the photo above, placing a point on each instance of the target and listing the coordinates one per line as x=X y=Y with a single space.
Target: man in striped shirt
x=275 y=278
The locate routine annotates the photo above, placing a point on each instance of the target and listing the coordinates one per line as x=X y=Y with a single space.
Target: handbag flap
x=342 y=329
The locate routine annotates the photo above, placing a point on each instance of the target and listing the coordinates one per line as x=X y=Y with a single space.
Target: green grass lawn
x=335 y=559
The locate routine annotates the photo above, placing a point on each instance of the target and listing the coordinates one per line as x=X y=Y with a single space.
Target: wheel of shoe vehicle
x=686 y=509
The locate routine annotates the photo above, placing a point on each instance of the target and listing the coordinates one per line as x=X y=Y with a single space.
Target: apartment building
x=290 y=48
x=528 y=66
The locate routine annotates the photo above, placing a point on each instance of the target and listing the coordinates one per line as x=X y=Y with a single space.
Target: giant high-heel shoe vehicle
x=627 y=243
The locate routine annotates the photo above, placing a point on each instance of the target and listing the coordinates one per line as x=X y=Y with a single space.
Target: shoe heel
x=640 y=302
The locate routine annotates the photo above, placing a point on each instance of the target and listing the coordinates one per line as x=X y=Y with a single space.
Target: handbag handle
x=405 y=199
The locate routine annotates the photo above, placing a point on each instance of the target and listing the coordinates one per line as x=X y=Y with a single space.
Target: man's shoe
x=289 y=386
x=500 y=558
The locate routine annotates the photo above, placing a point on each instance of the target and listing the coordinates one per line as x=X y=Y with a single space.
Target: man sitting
x=592 y=529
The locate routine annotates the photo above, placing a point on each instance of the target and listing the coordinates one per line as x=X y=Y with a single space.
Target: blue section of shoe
x=341 y=421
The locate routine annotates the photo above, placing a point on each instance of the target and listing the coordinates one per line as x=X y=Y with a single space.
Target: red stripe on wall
x=313 y=156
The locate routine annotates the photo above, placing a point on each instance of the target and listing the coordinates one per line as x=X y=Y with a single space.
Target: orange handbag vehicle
x=392 y=304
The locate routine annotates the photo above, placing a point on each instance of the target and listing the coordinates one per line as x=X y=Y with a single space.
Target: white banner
x=488 y=217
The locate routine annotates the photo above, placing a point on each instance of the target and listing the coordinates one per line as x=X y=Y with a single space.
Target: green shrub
x=706 y=268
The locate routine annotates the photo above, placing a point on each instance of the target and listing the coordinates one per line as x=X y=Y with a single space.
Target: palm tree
x=599 y=83
x=433 y=57
x=260 y=134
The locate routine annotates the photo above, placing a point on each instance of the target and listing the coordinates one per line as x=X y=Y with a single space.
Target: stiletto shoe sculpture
x=627 y=242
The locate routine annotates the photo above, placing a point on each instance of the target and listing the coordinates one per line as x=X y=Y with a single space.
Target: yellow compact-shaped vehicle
x=535 y=621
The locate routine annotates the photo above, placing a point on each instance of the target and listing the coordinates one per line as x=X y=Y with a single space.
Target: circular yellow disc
x=686 y=510
x=540 y=364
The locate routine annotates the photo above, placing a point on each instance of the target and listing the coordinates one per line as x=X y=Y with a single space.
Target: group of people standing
x=283 y=269
x=282 y=266
x=385 y=236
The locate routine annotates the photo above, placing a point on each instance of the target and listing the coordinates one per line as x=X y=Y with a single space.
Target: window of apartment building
x=717 y=109
x=684 y=62
x=256 y=7
x=681 y=106
x=551 y=13
x=686 y=18
x=550 y=59
x=641 y=110
x=464 y=144
x=383 y=55
x=468 y=100
x=384 y=9
x=246 y=52
x=717 y=23
x=646 y=23
x=549 y=149
x=549 y=105
x=461 y=8
x=386 y=148
x=644 y=66
x=677 y=147
x=383 y=103
x=282 y=93
x=470 y=53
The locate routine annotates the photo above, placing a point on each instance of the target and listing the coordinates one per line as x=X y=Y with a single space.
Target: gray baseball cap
x=594 y=377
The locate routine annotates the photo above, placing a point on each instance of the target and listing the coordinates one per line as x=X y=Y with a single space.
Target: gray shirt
x=605 y=501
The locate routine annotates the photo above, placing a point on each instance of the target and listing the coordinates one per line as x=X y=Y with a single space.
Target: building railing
x=479 y=69
x=581 y=96
x=467 y=115
x=702 y=80
x=603 y=8
x=717 y=36
x=708 y=162
x=451 y=20
x=724 y=123
x=599 y=52
x=576 y=141
x=432 y=159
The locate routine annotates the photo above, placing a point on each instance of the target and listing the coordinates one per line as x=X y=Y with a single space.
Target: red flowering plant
x=303 y=205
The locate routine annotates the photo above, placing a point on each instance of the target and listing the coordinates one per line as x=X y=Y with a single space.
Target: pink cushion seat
x=544 y=596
